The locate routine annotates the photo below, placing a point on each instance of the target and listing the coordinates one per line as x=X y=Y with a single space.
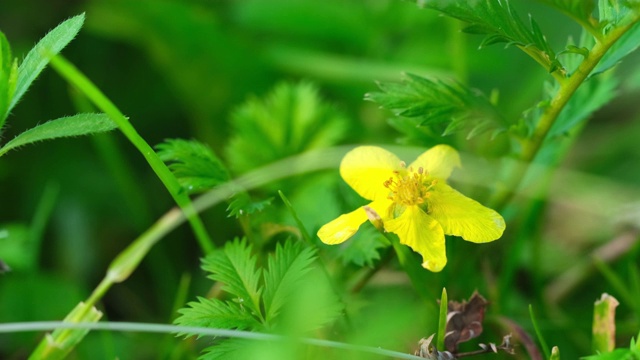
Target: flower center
x=409 y=189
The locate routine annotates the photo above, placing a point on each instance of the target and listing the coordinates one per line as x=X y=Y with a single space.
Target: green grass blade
x=76 y=125
x=543 y=343
x=442 y=320
x=38 y=58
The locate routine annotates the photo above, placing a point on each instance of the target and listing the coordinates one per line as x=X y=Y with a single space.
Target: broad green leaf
x=76 y=125
x=38 y=58
x=16 y=248
x=286 y=268
x=290 y=120
x=194 y=164
x=444 y=106
x=218 y=314
x=500 y=23
x=235 y=267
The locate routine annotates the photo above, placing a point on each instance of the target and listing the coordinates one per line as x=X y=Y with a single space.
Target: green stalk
x=442 y=320
x=78 y=79
x=568 y=86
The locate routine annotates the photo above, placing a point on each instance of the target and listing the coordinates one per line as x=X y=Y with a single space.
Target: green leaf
x=16 y=247
x=591 y=96
x=500 y=22
x=38 y=58
x=580 y=10
x=286 y=268
x=76 y=125
x=194 y=164
x=363 y=249
x=444 y=106
x=290 y=120
x=627 y=44
x=235 y=267
x=242 y=204
x=8 y=75
x=217 y=314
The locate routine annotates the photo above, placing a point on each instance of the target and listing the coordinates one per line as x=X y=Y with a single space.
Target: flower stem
x=532 y=145
x=78 y=79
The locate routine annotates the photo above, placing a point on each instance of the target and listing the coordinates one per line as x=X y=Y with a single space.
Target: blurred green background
x=180 y=68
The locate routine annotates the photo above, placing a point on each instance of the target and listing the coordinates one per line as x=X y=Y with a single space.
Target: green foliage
x=194 y=164
x=8 y=78
x=500 y=22
x=217 y=314
x=580 y=10
x=38 y=58
x=76 y=125
x=364 y=248
x=632 y=353
x=290 y=120
x=242 y=204
x=258 y=301
x=627 y=44
x=445 y=106
x=285 y=269
x=235 y=268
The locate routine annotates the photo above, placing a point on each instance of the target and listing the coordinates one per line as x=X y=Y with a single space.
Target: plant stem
x=532 y=145
x=75 y=77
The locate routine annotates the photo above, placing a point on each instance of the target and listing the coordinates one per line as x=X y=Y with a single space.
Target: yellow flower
x=413 y=202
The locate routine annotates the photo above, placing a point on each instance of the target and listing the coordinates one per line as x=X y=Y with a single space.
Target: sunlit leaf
x=76 y=125
x=8 y=78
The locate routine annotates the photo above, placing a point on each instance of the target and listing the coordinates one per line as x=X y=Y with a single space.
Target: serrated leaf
x=217 y=314
x=194 y=164
x=76 y=125
x=242 y=204
x=38 y=58
x=229 y=349
x=500 y=22
x=445 y=106
x=364 y=248
x=290 y=120
x=286 y=268
x=580 y=10
x=235 y=267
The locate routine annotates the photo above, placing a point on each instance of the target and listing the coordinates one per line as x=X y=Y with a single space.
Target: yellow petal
x=366 y=168
x=423 y=234
x=342 y=228
x=462 y=216
x=439 y=161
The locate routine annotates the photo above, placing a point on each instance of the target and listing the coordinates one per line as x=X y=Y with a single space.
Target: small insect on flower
x=413 y=202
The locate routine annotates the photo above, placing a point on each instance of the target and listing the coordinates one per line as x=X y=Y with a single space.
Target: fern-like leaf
x=194 y=164
x=286 y=268
x=501 y=24
x=217 y=314
x=444 y=106
x=290 y=120
x=235 y=267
